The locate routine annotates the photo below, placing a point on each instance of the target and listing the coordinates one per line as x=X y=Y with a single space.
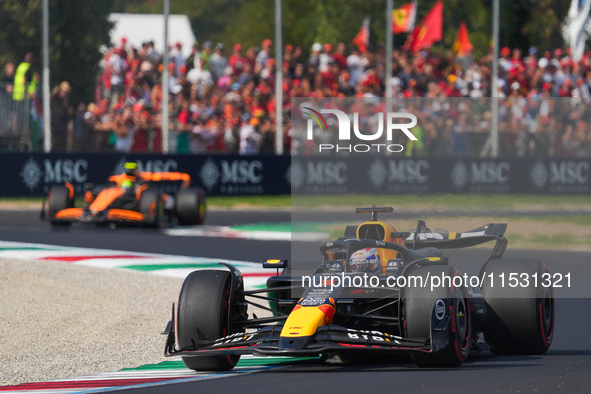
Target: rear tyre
x=57 y=200
x=418 y=307
x=203 y=313
x=190 y=206
x=520 y=320
x=150 y=206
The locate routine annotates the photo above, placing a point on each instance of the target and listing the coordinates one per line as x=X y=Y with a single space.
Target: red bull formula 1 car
x=131 y=198
x=389 y=305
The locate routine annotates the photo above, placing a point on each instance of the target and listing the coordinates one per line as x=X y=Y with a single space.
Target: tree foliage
x=77 y=31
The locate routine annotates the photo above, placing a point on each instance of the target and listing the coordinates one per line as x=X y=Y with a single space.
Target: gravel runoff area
x=62 y=321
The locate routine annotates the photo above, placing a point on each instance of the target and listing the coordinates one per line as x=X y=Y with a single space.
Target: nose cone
x=302 y=323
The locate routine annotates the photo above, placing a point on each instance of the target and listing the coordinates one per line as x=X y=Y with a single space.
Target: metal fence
x=16 y=131
x=106 y=92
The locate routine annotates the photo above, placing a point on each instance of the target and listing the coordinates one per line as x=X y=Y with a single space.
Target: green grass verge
x=415 y=202
x=444 y=201
x=258 y=201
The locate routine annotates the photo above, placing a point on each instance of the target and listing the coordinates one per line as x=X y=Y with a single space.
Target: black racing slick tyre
x=418 y=307
x=520 y=310
x=59 y=198
x=150 y=206
x=203 y=311
x=190 y=206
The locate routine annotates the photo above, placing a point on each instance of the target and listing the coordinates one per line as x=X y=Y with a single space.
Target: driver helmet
x=365 y=260
x=127 y=186
x=130 y=168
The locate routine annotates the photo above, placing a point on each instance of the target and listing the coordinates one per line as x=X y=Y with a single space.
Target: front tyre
x=418 y=307
x=150 y=206
x=203 y=313
x=520 y=319
x=59 y=198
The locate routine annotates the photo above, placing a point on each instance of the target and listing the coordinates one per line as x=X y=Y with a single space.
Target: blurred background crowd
x=222 y=98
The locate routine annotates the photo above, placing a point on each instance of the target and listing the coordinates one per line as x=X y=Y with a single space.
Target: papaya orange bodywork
x=69 y=213
x=105 y=198
x=123 y=214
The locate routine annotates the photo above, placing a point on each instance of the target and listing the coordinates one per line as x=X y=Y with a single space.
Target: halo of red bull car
x=439 y=326
x=130 y=198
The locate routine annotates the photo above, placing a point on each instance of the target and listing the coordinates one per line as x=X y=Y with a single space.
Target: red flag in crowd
x=428 y=31
x=362 y=38
x=462 y=44
x=403 y=18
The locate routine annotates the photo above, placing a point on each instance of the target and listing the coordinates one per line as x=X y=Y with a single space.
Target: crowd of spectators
x=222 y=100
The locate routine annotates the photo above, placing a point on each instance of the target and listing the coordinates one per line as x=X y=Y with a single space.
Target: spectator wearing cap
x=249 y=136
x=557 y=59
x=504 y=61
x=288 y=58
x=566 y=88
x=236 y=61
x=314 y=58
x=263 y=55
x=206 y=55
x=531 y=61
x=218 y=62
x=325 y=58
x=356 y=65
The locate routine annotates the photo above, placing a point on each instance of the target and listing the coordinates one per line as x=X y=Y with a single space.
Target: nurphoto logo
x=391 y=120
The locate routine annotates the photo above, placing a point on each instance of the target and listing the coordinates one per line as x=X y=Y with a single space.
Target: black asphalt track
x=25 y=226
x=565 y=368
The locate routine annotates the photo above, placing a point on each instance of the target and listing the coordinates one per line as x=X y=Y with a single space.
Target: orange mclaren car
x=132 y=197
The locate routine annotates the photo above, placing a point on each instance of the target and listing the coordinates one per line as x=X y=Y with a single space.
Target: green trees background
x=523 y=23
x=80 y=28
x=77 y=31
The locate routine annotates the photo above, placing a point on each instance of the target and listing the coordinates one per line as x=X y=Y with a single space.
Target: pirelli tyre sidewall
x=190 y=206
x=418 y=307
x=520 y=319
x=203 y=314
x=58 y=199
x=151 y=206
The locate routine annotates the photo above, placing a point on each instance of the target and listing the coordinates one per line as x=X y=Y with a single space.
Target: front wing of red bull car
x=348 y=311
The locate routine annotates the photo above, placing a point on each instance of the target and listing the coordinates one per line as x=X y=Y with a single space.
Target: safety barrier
x=33 y=174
